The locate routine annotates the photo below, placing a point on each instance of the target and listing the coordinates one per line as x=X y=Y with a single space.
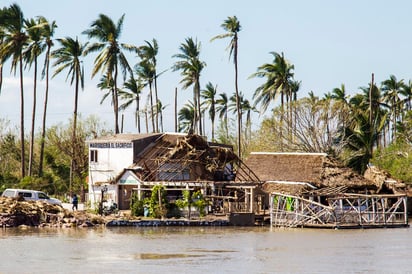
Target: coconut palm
x=148 y=53
x=48 y=32
x=190 y=68
x=146 y=72
x=31 y=54
x=186 y=117
x=222 y=107
x=406 y=91
x=391 y=89
x=131 y=94
x=67 y=57
x=110 y=56
x=209 y=96
x=14 y=42
x=232 y=27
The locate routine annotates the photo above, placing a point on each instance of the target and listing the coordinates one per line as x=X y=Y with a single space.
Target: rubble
x=15 y=213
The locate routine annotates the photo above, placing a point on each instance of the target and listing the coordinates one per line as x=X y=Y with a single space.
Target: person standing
x=75 y=202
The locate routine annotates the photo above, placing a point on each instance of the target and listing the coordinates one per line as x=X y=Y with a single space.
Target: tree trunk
x=33 y=118
x=175 y=109
x=43 y=132
x=239 y=119
x=23 y=167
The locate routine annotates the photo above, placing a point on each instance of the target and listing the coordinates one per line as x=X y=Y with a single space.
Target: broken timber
x=344 y=210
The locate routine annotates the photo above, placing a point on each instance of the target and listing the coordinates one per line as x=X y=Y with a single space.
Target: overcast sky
x=329 y=42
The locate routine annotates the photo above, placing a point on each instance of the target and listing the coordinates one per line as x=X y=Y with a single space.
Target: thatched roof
x=384 y=180
x=316 y=169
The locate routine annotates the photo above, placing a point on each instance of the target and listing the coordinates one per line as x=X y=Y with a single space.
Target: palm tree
x=406 y=91
x=148 y=53
x=186 y=117
x=31 y=53
x=209 y=94
x=222 y=107
x=68 y=57
x=232 y=26
x=191 y=67
x=146 y=72
x=279 y=81
x=110 y=55
x=131 y=94
x=48 y=32
x=14 y=42
x=391 y=89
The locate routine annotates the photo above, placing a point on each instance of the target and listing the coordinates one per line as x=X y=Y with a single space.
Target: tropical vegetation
x=372 y=125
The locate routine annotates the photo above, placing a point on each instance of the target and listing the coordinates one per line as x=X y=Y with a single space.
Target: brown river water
x=205 y=250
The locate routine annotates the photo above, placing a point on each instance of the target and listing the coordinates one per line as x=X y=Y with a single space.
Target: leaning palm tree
x=190 y=68
x=48 y=32
x=14 y=42
x=232 y=26
x=31 y=54
x=68 y=57
x=131 y=94
x=110 y=56
x=209 y=96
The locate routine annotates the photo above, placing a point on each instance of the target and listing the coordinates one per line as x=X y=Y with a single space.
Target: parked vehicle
x=30 y=195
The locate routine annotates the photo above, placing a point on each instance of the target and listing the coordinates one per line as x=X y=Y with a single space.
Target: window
x=93 y=156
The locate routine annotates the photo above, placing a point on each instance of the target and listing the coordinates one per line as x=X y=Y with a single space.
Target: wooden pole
x=175 y=109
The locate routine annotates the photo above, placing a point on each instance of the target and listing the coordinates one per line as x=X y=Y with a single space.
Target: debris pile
x=15 y=213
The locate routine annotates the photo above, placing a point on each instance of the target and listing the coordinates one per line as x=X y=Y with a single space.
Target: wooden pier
x=344 y=210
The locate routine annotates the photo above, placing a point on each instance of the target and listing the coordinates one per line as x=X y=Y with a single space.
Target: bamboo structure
x=343 y=210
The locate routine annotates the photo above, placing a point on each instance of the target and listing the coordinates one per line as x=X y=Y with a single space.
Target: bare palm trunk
x=239 y=118
x=197 y=86
x=33 y=118
x=23 y=167
x=116 y=102
x=151 y=107
x=138 y=115
x=43 y=133
x=175 y=109
x=157 y=103
x=72 y=163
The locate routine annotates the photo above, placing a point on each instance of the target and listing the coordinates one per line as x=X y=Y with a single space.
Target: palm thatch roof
x=317 y=169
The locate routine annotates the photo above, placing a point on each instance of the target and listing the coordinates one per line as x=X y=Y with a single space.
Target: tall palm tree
x=146 y=72
x=48 y=32
x=31 y=54
x=67 y=57
x=148 y=53
x=222 y=107
x=232 y=27
x=110 y=56
x=209 y=96
x=14 y=42
x=131 y=94
x=391 y=89
x=190 y=68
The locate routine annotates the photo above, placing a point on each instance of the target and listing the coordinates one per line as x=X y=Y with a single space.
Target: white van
x=32 y=195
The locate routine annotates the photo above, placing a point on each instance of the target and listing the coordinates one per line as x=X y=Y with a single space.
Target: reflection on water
x=204 y=249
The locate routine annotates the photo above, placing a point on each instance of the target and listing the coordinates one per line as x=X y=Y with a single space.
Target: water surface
x=205 y=250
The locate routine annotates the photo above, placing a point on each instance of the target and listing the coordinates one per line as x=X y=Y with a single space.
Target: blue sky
x=329 y=42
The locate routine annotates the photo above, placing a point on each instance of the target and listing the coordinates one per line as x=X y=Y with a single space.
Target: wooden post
x=176 y=110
